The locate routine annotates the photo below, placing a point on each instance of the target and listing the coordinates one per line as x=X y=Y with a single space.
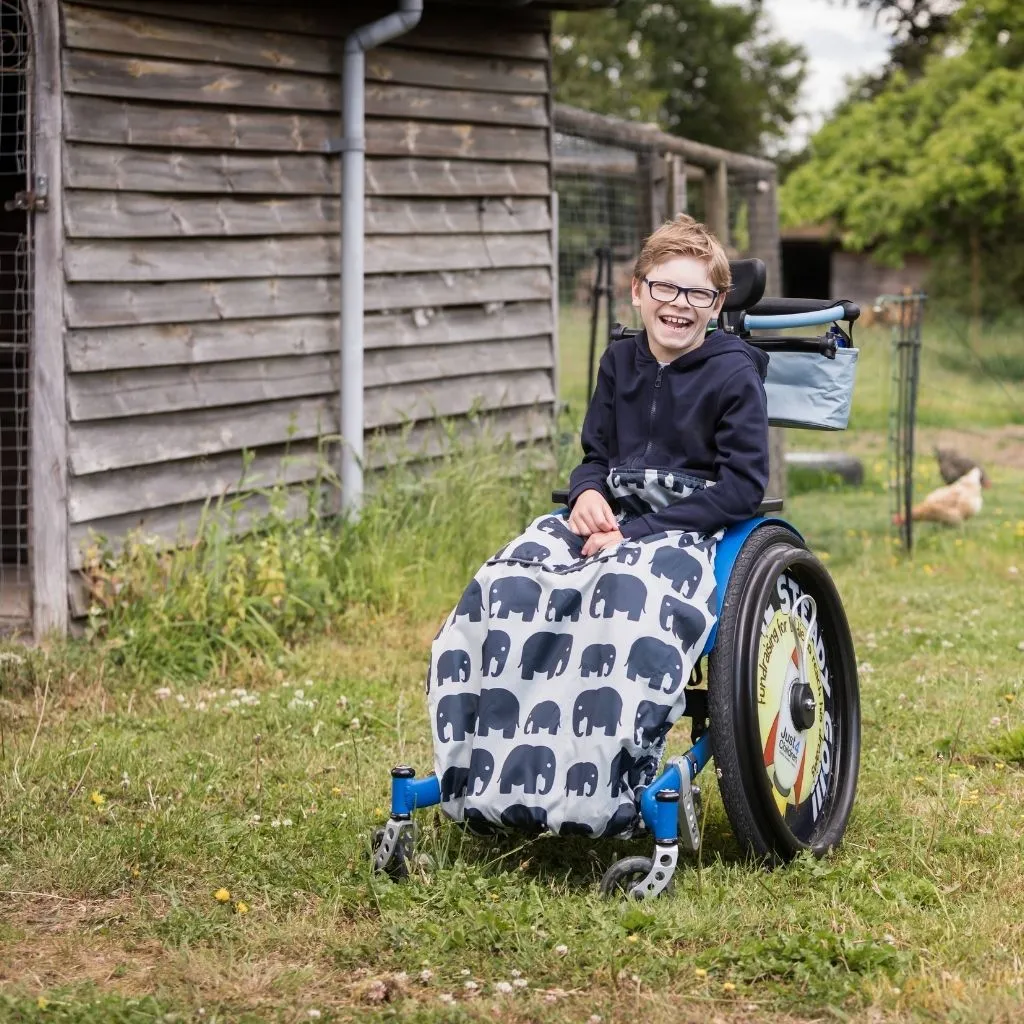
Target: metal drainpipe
x=353 y=189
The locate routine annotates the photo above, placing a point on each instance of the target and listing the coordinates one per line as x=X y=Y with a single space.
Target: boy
x=675 y=400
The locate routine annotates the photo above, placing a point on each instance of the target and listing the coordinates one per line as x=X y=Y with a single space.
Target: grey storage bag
x=809 y=390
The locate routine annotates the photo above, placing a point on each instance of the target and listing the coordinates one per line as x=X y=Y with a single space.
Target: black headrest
x=748 y=283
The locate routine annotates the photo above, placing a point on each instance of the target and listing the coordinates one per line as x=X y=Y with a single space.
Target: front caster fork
x=671 y=814
x=393 y=844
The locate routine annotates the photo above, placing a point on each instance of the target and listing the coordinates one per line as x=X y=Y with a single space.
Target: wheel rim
x=802 y=780
x=624 y=874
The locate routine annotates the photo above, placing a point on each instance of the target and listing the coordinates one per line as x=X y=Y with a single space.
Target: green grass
x=156 y=764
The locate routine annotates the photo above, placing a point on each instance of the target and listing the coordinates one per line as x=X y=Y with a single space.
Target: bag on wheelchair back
x=808 y=390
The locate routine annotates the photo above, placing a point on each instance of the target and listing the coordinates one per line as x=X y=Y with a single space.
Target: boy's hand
x=598 y=541
x=592 y=514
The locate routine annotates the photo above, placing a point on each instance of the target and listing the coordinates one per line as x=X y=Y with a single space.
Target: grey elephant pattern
x=555 y=681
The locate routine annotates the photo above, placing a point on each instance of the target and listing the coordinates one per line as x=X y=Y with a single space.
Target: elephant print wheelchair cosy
x=555 y=680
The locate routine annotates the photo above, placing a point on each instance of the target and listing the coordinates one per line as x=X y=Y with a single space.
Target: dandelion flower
x=335 y=790
x=42 y=1002
x=222 y=896
x=919 y=778
x=97 y=798
x=728 y=987
x=1009 y=697
x=241 y=907
x=700 y=972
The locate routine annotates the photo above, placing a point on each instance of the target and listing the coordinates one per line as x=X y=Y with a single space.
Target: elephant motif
x=498 y=710
x=600 y=709
x=651 y=724
x=705 y=545
x=684 y=620
x=453 y=783
x=471 y=603
x=679 y=567
x=457 y=710
x=653 y=660
x=575 y=828
x=581 y=779
x=481 y=768
x=618 y=592
x=622 y=763
x=598 y=660
x=621 y=821
x=525 y=819
x=517 y=594
x=453 y=665
x=547 y=653
x=555 y=526
x=546 y=715
x=564 y=604
x=651 y=538
x=530 y=552
x=495 y=649
x=628 y=554
x=477 y=822
x=643 y=771
x=532 y=767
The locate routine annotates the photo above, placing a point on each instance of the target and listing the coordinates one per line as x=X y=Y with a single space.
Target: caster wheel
x=624 y=874
x=397 y=868
x=787 y=751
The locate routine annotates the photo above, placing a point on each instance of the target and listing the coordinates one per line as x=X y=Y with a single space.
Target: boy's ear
x=635 y=290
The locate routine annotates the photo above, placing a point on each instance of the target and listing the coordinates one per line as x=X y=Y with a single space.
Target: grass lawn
x=191 y=845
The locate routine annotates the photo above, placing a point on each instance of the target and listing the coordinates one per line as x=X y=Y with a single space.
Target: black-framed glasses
x=666 y=291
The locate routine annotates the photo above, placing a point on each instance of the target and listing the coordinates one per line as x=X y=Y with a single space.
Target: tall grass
x=224 y=598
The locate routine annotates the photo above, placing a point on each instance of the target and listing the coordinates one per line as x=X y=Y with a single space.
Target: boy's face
x=676 y=325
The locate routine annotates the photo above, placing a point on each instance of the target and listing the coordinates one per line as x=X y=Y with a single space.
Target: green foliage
x=933 y=163
x=712 y=72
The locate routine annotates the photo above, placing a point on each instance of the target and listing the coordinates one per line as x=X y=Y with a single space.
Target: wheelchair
x=774 y=698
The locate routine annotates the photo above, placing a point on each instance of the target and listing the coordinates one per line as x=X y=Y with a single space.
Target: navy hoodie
x=704 y=414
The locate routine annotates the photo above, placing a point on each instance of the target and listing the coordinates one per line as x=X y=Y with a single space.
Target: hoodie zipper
x=654 y=406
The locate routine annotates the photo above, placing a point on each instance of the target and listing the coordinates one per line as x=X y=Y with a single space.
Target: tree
x=712 y=73
x=934 y=164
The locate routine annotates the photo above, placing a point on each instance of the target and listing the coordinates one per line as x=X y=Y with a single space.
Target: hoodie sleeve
x=597 y=435
x=741 y=466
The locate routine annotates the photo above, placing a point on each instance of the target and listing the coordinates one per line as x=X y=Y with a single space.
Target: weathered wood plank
x=404 y=403
x=95 y=447
x=48 y=454
x=117 y=348
x=140 y=34
x=521 y=33
x=101 y=495
x=107 y=395
x=142 y=170
x=173 y=524
x=203 y=260
x=132 y=78
x=101 y=446
x=108 y=305
x=90 y=214
x=140 y=392
x=115 y=122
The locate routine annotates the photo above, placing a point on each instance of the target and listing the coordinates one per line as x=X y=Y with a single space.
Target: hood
x=717 y=343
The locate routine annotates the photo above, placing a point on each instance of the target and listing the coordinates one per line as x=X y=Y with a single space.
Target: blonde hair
x=685 y=236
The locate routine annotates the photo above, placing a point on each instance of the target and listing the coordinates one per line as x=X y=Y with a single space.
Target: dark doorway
x=806 y=269
x=15 y=312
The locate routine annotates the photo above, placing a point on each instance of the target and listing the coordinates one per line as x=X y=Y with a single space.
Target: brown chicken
x=951 y=504
x=953 y=465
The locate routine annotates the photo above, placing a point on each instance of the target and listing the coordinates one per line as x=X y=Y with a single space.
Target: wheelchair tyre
x=776 y=820
x=624 y=874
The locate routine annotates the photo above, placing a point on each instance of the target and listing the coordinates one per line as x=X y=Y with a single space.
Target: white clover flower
x=561 y=949
x=163 y=692
x=313 y=1014
x=239 y=691
x=503 y=987
x=446 y=997
x=520 y=983
x=516 y=973
x=425 y=975
x=465 y=972
x=471 y=986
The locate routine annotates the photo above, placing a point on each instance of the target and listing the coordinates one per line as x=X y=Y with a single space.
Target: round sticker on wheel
x=795 y=711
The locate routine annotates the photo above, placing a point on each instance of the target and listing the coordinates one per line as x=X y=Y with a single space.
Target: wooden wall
x=201 y=219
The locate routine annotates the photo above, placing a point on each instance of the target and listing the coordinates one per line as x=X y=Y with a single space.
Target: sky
x=840 y=41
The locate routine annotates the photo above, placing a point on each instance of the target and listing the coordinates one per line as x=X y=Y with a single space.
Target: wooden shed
x=171 y=254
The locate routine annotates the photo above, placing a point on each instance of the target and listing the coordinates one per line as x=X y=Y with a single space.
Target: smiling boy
x=674 y=403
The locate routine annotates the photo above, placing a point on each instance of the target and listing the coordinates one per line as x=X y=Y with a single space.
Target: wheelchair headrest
x=748 y=283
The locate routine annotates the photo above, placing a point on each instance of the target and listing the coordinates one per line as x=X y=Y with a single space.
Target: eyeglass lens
x=665 y=291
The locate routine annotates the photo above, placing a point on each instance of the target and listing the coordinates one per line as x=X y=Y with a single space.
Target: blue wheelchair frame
x=672 y=792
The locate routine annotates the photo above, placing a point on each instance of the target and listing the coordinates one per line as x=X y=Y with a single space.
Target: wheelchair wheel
x=786 y=753
x=623 y=875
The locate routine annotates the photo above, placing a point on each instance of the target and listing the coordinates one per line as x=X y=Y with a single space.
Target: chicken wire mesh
x=15 y=310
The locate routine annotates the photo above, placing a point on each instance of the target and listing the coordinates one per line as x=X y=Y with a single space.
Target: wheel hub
x=802 y=706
